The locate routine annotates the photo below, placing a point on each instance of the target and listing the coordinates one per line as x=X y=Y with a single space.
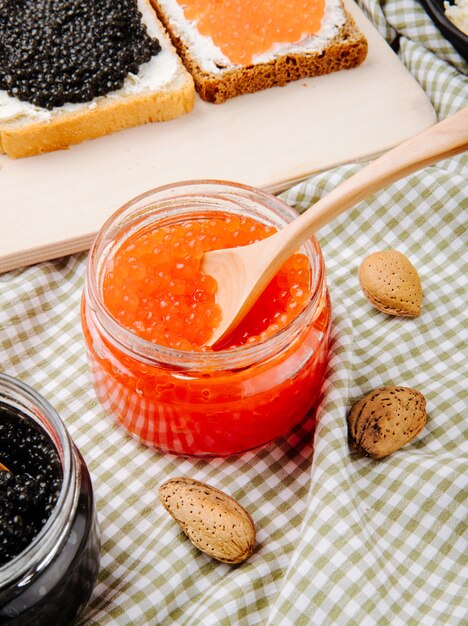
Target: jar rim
x=145 y=350
x=45 y=545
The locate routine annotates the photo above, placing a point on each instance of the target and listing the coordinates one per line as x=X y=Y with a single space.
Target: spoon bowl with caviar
x=242 y=273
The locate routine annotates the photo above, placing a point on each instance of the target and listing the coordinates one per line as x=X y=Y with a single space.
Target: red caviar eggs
x=244 y=29
x=154 y=287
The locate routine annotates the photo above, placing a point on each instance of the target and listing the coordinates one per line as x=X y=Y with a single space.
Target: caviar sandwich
x=240 y=47
x=75 y=70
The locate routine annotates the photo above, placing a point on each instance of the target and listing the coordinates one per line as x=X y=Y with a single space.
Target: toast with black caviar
x=232 y=48
x=72 y=71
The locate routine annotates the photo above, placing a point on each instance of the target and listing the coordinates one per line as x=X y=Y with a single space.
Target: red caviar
x=244 y=29
x=154 y=285
x=152 y=374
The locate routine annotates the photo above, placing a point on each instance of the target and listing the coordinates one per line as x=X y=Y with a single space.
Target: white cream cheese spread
x=211 y=59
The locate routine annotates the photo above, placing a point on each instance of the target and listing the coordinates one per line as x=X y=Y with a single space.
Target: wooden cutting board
x=52 y=205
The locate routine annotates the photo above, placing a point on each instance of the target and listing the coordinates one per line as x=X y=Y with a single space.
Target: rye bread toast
x=346 y=48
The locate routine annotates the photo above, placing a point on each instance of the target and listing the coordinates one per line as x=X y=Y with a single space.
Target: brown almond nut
x=213 y=521
x=386 y=419
x=391 y=283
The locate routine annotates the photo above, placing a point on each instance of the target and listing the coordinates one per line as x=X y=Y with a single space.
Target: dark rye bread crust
x=346 y=50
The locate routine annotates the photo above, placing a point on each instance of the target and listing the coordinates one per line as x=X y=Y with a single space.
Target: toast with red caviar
x=242 y=47
x=127 y=90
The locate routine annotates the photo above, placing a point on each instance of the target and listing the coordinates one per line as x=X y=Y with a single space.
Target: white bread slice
x=161 y=91
x=339 y=45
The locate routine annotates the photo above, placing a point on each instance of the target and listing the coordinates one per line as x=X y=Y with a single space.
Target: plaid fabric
x=342 y=539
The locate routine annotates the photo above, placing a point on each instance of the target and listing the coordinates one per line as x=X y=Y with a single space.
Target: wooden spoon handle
x=3 y=468
x=442 y=140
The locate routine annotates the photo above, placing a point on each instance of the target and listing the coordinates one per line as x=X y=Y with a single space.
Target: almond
x=213 y=521
x=386 y=419
x=391 y=283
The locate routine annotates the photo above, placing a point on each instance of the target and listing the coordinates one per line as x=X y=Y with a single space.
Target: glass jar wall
x=51 y=579
x=203 y=403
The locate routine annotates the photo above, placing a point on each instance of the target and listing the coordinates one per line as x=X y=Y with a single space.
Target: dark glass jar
x=51 y=580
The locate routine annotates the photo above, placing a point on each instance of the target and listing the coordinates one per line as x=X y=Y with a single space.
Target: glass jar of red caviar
x=201 y=402
x=49 y=578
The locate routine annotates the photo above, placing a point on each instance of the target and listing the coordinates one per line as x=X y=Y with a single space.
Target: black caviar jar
x=50 y=581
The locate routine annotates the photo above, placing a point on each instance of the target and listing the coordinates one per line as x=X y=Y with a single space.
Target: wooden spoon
x=242 y=273
x=3 y=468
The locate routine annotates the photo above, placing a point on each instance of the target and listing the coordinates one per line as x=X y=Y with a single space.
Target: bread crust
x=347 y=50
x=106 y=116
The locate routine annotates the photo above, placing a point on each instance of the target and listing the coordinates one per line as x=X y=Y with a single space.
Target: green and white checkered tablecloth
x=342 y=539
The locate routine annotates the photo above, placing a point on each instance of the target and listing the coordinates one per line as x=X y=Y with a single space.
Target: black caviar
x=57 y=51
x=29 y=490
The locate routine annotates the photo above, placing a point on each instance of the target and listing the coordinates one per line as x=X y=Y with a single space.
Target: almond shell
x=386 y=419
x=213 y=521
x=391 y=283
